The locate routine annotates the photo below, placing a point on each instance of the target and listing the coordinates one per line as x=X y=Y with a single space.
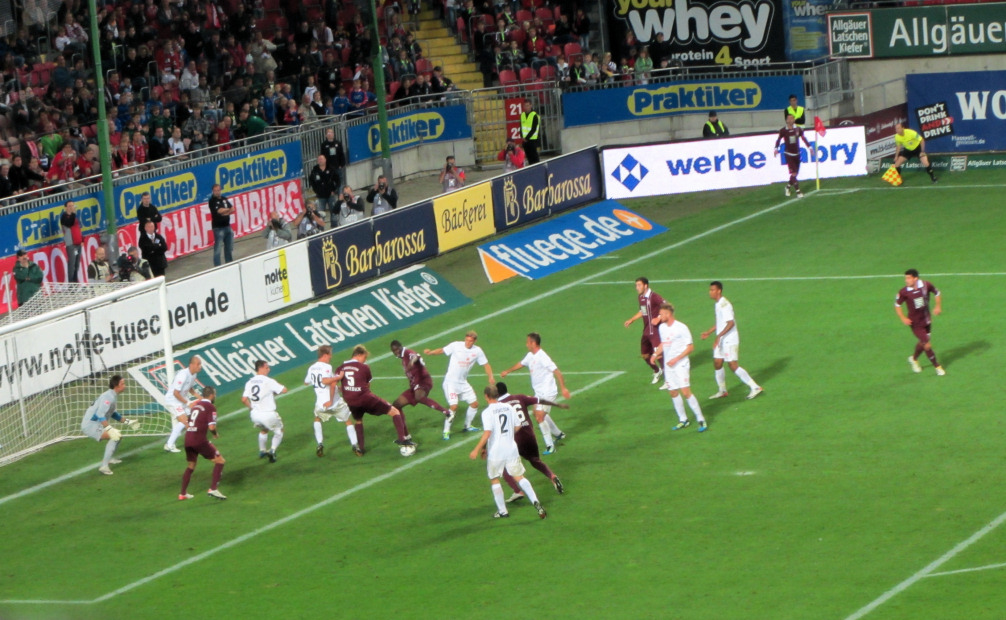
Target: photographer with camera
x=384 y=198
x=99 y=270
x=512 y=156
x=451 y=177
x=154 y=248
x=309 y=221
x=350 y=208
x=133 y=267
x=278 y=232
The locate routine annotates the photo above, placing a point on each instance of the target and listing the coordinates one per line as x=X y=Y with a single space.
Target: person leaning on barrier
x=383 y=197
x=349 y=208
x=714 y=128
x=309 y=221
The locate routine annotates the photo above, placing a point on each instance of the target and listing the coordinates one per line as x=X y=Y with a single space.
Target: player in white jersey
x=726 y=346
x=260 y=396
x=176 y=399
x=97 y=426
x=328 y=400
x=463 y=356
x=675 y=345
x=544 y=374
x=499 y=424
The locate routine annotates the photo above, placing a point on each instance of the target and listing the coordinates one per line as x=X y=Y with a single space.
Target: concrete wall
x=410 y=163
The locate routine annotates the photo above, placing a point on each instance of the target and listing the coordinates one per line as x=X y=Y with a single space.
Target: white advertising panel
x=40 y=359
x=749 y=161
x=206 y=303
x=276 y=279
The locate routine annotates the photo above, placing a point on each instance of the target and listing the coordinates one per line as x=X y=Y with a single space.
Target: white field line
x=454 y=330
x=968 y=570
x=281 y=522
x=894 y=276
x=929 y=569
x=927 y=187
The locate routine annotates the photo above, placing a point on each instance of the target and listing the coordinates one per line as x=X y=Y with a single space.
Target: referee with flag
x=530 y=129
x=910 y=143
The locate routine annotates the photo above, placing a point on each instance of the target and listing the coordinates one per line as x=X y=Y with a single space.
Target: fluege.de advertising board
x=749 y=161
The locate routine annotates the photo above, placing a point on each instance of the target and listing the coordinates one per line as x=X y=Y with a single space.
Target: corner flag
x=819 y=126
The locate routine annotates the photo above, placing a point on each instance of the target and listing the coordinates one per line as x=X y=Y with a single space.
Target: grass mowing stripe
x=928 y=570
x=485 y=317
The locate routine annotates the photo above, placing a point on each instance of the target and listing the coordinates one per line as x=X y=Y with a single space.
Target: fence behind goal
x=53 y=365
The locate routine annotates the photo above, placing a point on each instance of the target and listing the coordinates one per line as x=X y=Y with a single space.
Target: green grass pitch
x=850 y=482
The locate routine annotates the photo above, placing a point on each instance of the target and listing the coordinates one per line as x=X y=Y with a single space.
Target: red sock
x=218 y=470
x=513 y=483
x=932 y=357
x=399 y=421
x=185 y=480
x=358 y=427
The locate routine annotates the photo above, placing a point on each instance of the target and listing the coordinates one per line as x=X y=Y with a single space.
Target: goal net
x=59 y=350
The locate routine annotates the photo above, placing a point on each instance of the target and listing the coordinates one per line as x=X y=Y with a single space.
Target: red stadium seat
x=393 y=89
x=545 y=14
x=558 y=12
x=346 y=73
x=517 y=35
x=527 y=75
x=508 y=77
x=424 y=66
x=547 y=73
x=524 y=15
x=462 y=29
x=571 y=49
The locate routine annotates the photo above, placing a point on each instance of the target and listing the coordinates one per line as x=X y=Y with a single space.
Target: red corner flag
x=818 y=125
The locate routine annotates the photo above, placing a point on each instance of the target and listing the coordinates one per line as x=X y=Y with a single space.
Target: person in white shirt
x=544 y=374
x=676 y=345
x=727 y=344
x=328 y=400
x=498 y=420
x=463 y=356
x=260 y=396
x=176 y=399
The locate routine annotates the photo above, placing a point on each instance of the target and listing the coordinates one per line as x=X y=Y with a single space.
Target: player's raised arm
x=562 y=383
x=549 y=403
x=439 y=351
x=513 y=368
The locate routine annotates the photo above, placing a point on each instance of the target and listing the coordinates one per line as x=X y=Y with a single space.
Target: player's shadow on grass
x=771 y=371
x=977 y=347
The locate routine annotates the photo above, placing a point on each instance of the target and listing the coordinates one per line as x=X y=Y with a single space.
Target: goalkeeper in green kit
x=98 y=426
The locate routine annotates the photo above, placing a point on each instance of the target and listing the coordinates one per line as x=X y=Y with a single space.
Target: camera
x=126 y=266
x=382 y=186
x=277 y=224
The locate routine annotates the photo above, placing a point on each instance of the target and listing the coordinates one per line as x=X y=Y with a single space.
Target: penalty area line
x=968 y=570
x=281 y=522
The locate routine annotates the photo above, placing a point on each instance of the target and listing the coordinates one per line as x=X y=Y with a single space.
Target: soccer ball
x=407 y=450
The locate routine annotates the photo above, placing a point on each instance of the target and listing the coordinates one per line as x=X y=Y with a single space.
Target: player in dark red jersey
x=420 y=381
x=649 y=309
x=791 y=134
x=202 y=418
x=916 y=296
x=354 y=376
x=527 y=443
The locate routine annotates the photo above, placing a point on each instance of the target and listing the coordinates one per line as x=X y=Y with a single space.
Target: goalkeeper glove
x=133 y=425
x=113 y=433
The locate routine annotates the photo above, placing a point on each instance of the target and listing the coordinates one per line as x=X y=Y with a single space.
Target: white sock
x=679 y=408
x=447 y=425
x=546 y=434
x=262 y=438
x=277 y=438
x=746 y=378
x=176 y=431
x=721 y=379
x=498 y=496
x=317 y=432
x=525 y=485
x=693 y=404
x=351 y=433
x=109 y=451
x=470 y=415
x=555 y=427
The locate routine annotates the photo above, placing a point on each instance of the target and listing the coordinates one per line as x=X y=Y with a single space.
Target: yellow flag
x=892 y=176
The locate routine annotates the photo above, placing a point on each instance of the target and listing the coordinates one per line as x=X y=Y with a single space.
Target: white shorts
x=94 y=430
x=552 y=397
x=459 y=392
x=340 y=410
x=176 y=410
x=726 y=351
x=514 y=467
x=267 y=420
x=678 y=376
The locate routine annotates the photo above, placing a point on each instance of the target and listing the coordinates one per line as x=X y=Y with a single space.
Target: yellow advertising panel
x=464 y=216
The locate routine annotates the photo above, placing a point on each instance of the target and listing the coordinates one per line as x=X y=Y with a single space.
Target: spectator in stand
x=319 y=106
x=340 y=103
x=451 y=177
x=72 y=239
x=420 y=89
x=251 y=125
x=190 y=76
x=515 y=57
x=28 y=276
x=223 y=134
x=292 y=115
x=608 y=68
x=197 y=123
x=562 y=69
x=122 y=157
x=357 y=98
x=643 y=67
x=349 y=208
x=412 y=47
x=20 y=176
x=404 y=66
x=306 y=110
x=99 y=270
x=6 y=188
x=563 y=32
x=437 y=81
x=324 y=180
x=578 y=73
x=146 y=212
x=157 y=148
x=404 y=90
x=660 y=50
x=335 y=156
x=382 y=196
x=512 y=157
x=177 y=145
x=268 y=104
x=223 y=236
x=581 y=28
x=141 y=269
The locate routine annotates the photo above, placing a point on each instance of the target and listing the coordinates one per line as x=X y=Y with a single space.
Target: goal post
x=60 y=351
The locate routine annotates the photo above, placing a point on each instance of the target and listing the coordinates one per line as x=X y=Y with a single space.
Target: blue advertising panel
x=183 y=189
x=630 y=103
x=410 y=129
x=404 y=236
x=566 y=241
x=574 y=180
x=958 y=112
x=806 y=28
x=340 y=257
x=517 y=197
x=543 y=189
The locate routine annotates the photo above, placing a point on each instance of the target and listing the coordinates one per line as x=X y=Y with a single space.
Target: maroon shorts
x=649 y=343
x=793 y=162
x=527 y=443
x=409 y=395
x=207 y=449
x=368 y=403
x=921 y=332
